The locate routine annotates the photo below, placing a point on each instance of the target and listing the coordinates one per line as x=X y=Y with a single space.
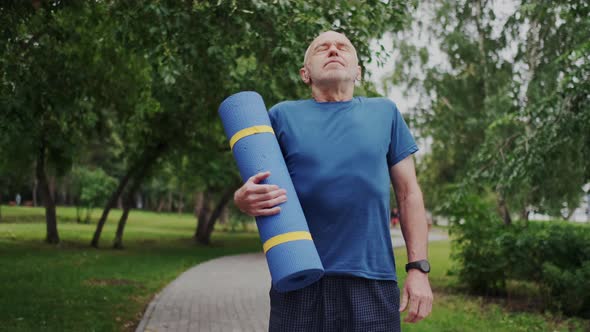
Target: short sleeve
x=402 y=142
x=275 y=122
x=272 y=115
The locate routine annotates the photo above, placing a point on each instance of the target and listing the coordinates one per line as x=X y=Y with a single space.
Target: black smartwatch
x=421 y=265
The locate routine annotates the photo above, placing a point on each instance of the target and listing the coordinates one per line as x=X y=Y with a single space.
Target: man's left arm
x=417 y=294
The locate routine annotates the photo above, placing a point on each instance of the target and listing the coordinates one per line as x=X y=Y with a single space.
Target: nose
x=333 y=50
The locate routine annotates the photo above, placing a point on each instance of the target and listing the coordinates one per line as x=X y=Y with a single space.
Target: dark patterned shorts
x=337 y=303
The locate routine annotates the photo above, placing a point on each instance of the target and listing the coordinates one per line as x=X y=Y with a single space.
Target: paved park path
x=224 y=294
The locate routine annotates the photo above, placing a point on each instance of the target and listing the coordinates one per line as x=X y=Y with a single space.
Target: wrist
x=422 y=266
x=414 y=273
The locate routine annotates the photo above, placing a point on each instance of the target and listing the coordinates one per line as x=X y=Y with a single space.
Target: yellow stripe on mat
x=249 y=131
x=286 y=237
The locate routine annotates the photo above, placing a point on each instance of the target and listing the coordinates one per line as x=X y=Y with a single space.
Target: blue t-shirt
x=339 y=155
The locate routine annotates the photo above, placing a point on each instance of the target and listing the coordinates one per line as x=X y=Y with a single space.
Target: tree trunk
x=78 y=214
x=180 y=202
x=524 y=214
x=504 y=212
x=35 y=185
x=52 y=189
x=138 y=201
x=142 y=166
x=169 y=207
x=110 y=203
x=224 y=217
x=203 y=215
x=161 y=205
x=198 y=203
x=127 y=205
x=481 y=46
x=52 y=235
x=88 y=215
x=206 y=226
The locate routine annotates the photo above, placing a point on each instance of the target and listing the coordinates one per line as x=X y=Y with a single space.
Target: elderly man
x=341 y=152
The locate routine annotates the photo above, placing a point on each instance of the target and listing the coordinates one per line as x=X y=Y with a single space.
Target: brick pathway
x=225 y=294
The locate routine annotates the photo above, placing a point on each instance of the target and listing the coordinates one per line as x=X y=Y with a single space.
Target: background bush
x=554 y=255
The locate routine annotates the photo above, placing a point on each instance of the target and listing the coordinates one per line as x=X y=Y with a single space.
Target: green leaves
x=102 y=84
x=504 y=111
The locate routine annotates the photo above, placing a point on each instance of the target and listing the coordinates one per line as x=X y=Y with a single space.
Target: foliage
x=505 y=102
x=55 y=89
x=545 y=140
x=569 y=288
x=92 y=188
x=121 y=85
x=554 y=255
x=475 y=225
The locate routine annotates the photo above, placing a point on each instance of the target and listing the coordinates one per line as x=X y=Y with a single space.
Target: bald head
x=324 y=35
x=330 y=61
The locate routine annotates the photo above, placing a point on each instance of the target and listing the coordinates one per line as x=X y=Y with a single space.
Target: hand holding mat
x=291 y=255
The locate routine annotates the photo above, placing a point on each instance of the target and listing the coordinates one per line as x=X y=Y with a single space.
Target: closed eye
x=322 y=48
x=325 y=46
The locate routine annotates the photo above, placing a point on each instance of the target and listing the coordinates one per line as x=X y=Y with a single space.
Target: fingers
x=404 y=303
x=280 y=196
x=260 y=188
x=259 y=177
x=427 y=309
x=418 y=309
x=268 y=212
x=424 y=309
x=252 y=186
x=257 y=199
x=417 y=300
x=413 y=307
x=267 y=196
x=268 y=207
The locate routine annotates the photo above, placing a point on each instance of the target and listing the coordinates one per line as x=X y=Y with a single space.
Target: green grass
x=71 y=287
x=454 y=311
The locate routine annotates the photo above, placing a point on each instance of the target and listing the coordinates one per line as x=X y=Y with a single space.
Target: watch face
x=424 y=266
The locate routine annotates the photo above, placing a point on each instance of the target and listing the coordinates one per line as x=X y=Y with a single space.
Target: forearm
x=413 y=224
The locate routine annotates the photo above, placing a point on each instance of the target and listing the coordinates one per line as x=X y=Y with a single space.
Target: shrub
x=554 y=255
x=569 y=288
x=475 y=227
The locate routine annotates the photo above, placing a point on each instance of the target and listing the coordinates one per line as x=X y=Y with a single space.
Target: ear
x=305 y=75
x=359 y=72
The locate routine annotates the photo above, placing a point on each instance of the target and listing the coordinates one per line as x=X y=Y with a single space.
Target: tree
x=239 y=52
x=549 y=132
x=62 y=74
x=505 y=113
x=91 y=187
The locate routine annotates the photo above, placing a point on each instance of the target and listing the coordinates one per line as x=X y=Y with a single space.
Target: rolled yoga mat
x=291 y=255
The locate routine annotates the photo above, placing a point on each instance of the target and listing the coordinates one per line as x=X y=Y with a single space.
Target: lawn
x=71 y=287
x=455 y=311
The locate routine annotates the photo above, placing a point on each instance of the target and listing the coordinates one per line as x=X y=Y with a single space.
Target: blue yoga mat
x=291 y=255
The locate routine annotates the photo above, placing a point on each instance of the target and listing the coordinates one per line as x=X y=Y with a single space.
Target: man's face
x=330 y=59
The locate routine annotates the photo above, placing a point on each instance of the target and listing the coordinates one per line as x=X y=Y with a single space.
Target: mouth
x=334 y=61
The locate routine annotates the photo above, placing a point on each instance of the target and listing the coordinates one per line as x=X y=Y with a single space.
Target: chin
x=335 y=77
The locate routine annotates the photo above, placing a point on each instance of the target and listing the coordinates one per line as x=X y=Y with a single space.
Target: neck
x=342 y=92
